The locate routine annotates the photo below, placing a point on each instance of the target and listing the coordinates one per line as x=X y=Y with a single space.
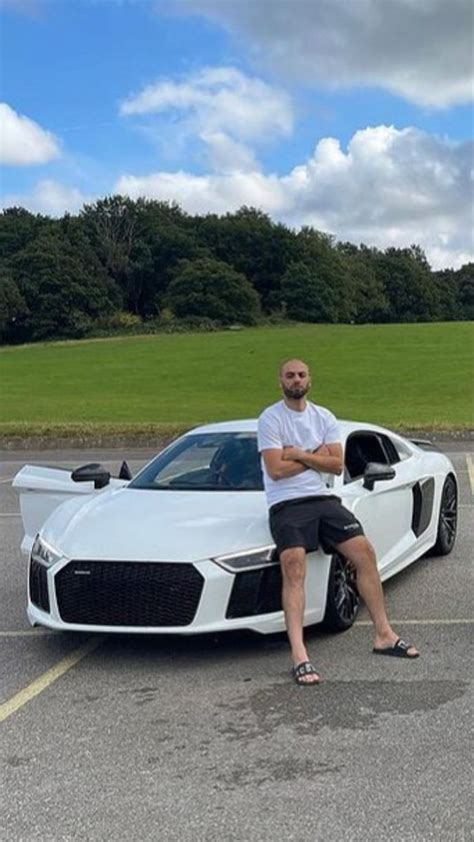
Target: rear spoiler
x=423 y=442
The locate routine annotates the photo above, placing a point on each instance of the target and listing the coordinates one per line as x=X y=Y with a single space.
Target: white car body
x=89 y=529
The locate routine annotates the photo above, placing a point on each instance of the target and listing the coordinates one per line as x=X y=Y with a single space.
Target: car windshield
x=205 y=462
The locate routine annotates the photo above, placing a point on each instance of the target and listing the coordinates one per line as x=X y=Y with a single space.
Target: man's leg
x=361 y=554
x=293 y=568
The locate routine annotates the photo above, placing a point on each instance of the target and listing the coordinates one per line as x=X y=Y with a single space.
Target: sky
x=352 y=116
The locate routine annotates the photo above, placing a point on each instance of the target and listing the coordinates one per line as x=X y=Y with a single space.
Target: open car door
x=42 y=490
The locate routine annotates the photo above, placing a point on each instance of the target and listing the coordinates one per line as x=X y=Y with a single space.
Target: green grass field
x=416 y=376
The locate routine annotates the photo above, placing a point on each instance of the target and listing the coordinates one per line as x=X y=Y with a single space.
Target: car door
x=386 y=511
x=42 y=490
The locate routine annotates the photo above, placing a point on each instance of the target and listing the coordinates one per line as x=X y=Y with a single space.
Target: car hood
x=125 y=523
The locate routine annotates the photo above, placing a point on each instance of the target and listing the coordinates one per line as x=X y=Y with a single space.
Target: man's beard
x=295 y=393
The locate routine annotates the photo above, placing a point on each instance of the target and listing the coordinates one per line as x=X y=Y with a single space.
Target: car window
x=390 y=449
x=362 y=448
x=205 y=462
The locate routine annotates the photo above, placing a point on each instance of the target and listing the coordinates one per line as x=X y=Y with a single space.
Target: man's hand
x=326 y=459
x=291 y=453
x=296 y=454
x=322 y=451
x=281 y=467
x=291 y=461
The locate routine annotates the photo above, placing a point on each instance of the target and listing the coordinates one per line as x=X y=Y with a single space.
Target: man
x=298 y=441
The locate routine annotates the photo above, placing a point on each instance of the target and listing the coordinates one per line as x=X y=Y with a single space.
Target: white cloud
x=220 y=105
x=49 y=198
x=227 y=155
x=418 y=49
x=214 y=193
x=390 y=187
x=24 y=142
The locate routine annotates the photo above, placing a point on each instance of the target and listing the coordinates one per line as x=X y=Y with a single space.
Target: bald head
x=293 y=362
x=295 y=379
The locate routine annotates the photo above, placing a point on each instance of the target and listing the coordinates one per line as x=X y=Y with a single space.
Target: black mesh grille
x=255 y=592
x=39 y=585
x=126 y=593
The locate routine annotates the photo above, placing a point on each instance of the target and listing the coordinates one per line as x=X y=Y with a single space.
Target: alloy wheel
x=448 y=514
x=346 y=595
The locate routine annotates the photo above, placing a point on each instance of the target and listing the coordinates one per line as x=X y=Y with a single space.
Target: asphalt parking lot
x=142 y=738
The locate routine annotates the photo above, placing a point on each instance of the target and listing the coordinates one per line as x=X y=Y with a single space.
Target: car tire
x=447 y=518
x=343 y=600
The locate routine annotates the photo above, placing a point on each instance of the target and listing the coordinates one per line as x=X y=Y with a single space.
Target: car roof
x=249 y=425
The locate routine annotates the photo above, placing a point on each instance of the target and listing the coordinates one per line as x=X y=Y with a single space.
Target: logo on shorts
x=351 y=526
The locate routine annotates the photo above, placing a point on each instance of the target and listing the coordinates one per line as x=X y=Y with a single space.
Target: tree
x=447 y=294
x=169 y=246
x=139 y=244
x=252 y=244
x=465 y=283
x=12 y=307
x=59 y=276
x=114 y=227
x=324 y=280
x=64 y=288
x=407 y=280
x=306 y=296
x=18 y=227
x=210 y=288
x=364 y=289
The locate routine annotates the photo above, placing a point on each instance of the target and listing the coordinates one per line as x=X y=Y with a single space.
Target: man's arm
x=328 y=459
x=279 y=466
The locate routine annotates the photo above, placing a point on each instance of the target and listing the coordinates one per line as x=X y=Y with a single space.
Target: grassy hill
x=410 y=375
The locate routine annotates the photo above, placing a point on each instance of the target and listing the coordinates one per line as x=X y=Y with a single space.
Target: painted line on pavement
x=6 y=479
x=470 y=470
x=464 y=621
x=10 y=514
x=47 y=679
x=30 y=633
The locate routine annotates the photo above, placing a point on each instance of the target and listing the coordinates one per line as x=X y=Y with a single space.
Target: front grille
x=255 y=592
x=39 y=585
x=128 y=593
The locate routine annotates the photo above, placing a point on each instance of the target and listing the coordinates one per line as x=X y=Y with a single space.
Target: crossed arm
x=291 y=461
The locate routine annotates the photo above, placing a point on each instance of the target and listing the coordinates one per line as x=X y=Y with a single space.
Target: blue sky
x=321 y=113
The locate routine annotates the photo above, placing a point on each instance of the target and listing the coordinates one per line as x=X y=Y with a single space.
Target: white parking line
x=464 y=621
x=29 y=633
x=48 y=678
x=470 y=471
x=6 y=479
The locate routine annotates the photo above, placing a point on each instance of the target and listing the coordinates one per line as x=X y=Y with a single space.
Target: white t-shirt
x=278 y=427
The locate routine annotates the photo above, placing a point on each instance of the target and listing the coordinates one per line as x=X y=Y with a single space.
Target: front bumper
x=226 y=600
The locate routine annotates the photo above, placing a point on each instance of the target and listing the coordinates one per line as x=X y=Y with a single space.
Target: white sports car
x=184 y=547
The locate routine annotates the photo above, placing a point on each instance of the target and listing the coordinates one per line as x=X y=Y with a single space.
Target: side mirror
x=92 y=473
x=376 y=472
x=125 y=472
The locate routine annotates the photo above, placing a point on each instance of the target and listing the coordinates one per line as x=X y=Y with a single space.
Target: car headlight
x=246 y=561
x=44 y=553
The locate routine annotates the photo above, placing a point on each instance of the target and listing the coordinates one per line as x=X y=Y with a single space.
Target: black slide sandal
x=398 y=650
x=305 y=668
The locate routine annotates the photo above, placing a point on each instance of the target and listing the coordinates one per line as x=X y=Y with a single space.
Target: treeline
x=146 y=265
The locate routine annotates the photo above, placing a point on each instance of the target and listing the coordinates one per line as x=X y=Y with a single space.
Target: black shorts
x=312 y=521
